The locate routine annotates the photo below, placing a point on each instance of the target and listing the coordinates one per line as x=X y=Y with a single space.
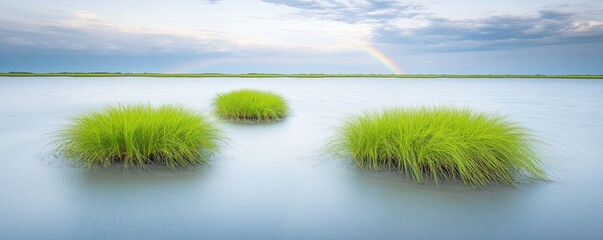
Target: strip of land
x=276 y=75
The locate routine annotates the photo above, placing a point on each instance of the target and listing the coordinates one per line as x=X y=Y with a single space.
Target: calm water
x=273 y=181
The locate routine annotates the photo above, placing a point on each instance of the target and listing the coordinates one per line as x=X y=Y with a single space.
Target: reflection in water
x=273 y=180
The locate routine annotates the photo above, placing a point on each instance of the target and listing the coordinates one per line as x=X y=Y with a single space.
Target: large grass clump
x=251 y=105
x=138 y=135
x=440 y=143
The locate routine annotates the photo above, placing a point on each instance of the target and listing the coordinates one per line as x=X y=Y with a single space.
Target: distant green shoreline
x=271 y=75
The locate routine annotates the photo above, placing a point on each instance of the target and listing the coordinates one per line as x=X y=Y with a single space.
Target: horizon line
x=308 y=75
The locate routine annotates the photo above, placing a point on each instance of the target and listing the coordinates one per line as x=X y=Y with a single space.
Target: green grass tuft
x=139 y=135
x=252 y=105
x=440 y=143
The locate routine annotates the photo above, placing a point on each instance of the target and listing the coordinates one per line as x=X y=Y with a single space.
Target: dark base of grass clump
x=440 y=143
x=136 y=136
x=250 y=106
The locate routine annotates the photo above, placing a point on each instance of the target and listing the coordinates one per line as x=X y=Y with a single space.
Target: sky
x=303 y=36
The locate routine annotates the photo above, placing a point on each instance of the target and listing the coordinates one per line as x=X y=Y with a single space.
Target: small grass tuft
x=138 y=135
x=251 y=105
x=440 y=143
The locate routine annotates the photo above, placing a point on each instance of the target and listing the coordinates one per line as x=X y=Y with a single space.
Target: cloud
x=87 y=32
x=412 y=26
x=495 y=32
x=91 y=32
x=353 y=11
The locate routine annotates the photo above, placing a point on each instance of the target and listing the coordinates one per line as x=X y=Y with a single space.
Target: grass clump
x=138 y=135
x=440 y=143
x=250 y=104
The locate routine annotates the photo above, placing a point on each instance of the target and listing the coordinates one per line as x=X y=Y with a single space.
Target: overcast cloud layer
x=303 y=36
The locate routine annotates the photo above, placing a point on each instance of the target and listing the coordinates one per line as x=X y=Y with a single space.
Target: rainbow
x=383 y=59
x=200 y=64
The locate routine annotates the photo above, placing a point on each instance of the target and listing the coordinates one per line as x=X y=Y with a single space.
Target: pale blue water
x=273 y=181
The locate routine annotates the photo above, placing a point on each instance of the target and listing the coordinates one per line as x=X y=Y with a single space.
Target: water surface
x=272 y=181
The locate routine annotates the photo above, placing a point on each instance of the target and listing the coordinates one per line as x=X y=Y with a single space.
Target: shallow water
x=273 y=181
